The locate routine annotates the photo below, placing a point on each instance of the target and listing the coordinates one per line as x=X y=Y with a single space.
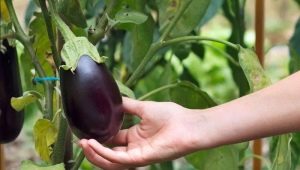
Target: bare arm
x=271 y=111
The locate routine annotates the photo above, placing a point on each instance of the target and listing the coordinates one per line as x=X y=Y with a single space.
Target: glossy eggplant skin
x=91 y=100
x=11 y=121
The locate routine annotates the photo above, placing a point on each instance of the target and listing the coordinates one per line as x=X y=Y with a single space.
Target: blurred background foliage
x=204 y=64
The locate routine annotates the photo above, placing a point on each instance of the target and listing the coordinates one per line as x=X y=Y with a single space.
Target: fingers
x=132 y=106
x=97 y=160
x=118 y=155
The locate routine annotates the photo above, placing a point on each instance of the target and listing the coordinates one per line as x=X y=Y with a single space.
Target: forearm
x=271 y=111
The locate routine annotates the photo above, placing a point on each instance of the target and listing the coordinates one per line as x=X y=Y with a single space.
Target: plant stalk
x=78 y=161
x=8 y=35
x=50 y=32
x=162 y=88
x=59 y=147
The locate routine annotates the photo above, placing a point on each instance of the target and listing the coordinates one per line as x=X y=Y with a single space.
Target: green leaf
x=41 y=43
x=211 y=11
x=189 y=95
x=71 y=12
x=19 y=103
x=282 y=155
x=253 y=70
x=45 y=135
x=28 y=165
x=294 y=64
x=137 y=42
x=130 y=16
x=188 y=21
x=225 y=157
x=295 y=149
x=31 y=8
x=182 y=51
x=125 y=90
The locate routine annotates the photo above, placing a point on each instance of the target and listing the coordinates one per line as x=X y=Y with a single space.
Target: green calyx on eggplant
x=11 y=121
x=92 y=101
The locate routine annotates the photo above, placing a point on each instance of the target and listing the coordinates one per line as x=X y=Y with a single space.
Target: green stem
x=198 y=38
x=50 y=32
x=158 y=45
x=78 y=161
x=173 y=22
x=59 y=147
x=8 y=35
x=63 y=28
x=101 y=26
x=230 y=59
x=162 y=88
x=135 y=75
x=25 y=40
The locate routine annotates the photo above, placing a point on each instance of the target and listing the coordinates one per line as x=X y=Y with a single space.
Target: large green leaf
x=28 y=165
x=71 y=12
x=138 y=39
x=294 y=49
x=41 y=43
x=188 y=21
x=221 y=158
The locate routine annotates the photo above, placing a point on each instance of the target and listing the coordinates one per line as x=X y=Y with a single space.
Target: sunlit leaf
x=19 y=103
x=45 y=135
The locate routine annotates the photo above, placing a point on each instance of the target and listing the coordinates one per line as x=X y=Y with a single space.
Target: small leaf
x=45 y=135
x=19 y=103
x=125 y=90
x=28 y=165
x=130 y=16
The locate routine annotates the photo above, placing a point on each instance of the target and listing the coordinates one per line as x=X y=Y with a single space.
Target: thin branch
x=100 y=29
x=78 y=161
x=50 y=32
x=8 y=35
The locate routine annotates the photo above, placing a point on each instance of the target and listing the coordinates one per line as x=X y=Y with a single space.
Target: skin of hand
x=166 y=131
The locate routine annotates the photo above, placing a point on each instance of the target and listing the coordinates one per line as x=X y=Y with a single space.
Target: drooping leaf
x=28 y=165
x=294 y=64
x=45 y=134
x=198 y=49
x=71 y=12
x=188 y=95
x=188 y=21
x=181 y=51
x=125 y=90
x=253 y=70
x=19 y=103
x=4 y=15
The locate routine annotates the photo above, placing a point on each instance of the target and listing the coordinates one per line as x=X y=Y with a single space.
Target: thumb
x=133 y=106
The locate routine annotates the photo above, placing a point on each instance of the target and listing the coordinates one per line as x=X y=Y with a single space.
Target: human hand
x=166 y=131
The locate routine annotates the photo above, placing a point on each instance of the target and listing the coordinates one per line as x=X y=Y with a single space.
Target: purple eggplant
x=91 y=100
x=11 y=121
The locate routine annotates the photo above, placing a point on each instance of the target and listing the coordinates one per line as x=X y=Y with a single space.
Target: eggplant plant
x=76 y=58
